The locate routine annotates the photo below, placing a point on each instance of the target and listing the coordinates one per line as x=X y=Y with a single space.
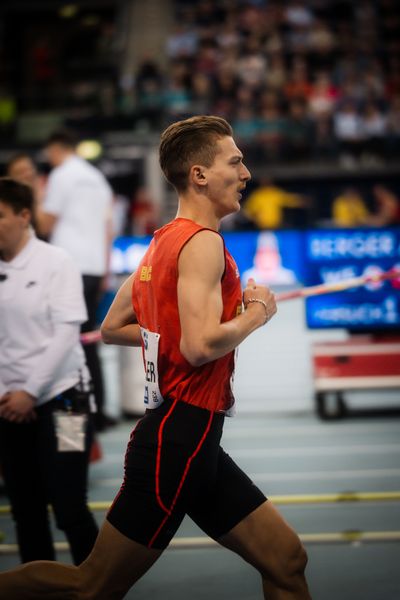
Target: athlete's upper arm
x=201 y=266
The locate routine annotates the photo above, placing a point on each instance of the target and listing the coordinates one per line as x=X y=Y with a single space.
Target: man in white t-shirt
x=76 y=216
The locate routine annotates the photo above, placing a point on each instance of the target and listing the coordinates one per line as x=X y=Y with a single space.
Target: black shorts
x=174 y=466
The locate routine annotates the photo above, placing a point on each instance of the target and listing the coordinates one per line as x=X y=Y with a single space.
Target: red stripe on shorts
x=158 y=460
x=184 y=475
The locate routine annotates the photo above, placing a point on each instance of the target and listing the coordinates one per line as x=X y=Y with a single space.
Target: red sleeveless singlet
x=155 y=302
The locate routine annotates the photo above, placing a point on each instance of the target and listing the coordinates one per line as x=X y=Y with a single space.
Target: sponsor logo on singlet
x=145 y=273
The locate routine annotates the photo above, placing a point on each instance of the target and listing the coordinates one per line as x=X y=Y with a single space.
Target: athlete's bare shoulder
x=204 y=252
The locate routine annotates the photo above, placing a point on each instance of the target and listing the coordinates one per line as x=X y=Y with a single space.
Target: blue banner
x=272 y=258
x=294 y=258
x=333 y=256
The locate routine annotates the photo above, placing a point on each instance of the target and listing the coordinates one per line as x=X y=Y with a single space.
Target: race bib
x=152 y=394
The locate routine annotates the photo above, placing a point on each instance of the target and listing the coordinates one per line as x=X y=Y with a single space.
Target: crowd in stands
x=298 y=79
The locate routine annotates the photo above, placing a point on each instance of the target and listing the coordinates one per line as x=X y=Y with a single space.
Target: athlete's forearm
x=220 y=339
x=119 y=325
x=128 y=335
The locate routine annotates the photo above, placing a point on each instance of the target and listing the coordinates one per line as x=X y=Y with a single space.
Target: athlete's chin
x=236 y=206
x=231 y=210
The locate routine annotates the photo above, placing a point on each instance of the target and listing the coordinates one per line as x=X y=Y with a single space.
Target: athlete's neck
x=199 y=212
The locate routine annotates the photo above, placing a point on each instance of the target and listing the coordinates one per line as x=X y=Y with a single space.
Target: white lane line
x=295 y=476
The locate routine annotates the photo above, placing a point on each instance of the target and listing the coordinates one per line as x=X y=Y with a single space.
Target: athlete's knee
x=289 y=565
x=298 y=559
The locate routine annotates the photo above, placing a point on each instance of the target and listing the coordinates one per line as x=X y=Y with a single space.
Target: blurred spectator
x=206 y=59
x=348 y=131
x=251 y=66
x=321 y=42
x=200 y=94
x=265 y=206
x=250 y=19
x=322 y=96
x=150 y=102
x=324 y=142
x=299 y=131
x=274 y=42
x=272 y=127
x=298 y=84
x=276 y=74
x=245 y=125
x=297 y=40
x=21 y=168
x=387 y=208
x=182 y=42
x=144 y=215
x=298 y=14
x=76 y=215
x=176 y=98
x=228 y=35
x=373 y=127
x=149 y=91
x=393 y=128
x=373 y=83
x=225 y=94
x=349 y=209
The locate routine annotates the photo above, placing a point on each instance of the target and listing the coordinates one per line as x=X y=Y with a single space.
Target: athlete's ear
x=197 y=175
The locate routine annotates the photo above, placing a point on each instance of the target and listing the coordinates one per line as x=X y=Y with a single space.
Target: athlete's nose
x=245 y=175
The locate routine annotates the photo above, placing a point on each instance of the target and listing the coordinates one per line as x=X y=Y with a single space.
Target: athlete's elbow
x=106 y=334
x=196 y=355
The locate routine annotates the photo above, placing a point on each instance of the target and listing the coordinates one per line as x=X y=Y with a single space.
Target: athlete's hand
x=257 y=293
x=17 y=406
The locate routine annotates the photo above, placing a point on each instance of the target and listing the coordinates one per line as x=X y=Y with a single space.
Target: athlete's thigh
x=160 y=473
x=115 y=564
x=142 y=509
x=226 y=498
